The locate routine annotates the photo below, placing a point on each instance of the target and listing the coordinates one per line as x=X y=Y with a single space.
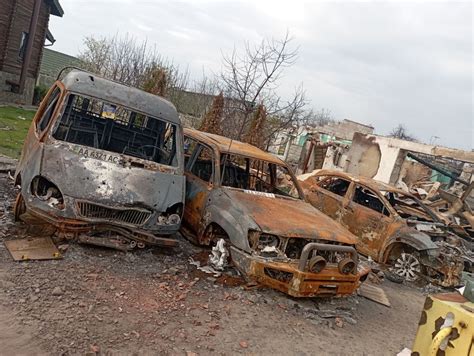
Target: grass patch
x=14 y=125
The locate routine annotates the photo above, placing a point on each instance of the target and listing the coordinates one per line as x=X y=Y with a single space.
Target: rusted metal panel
x=291 y=218
x=35 y=248
x=374 y=293
x=288 y=278
x=227 y=145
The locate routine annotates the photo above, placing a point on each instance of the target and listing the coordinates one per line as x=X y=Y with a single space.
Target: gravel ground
x=100 y=301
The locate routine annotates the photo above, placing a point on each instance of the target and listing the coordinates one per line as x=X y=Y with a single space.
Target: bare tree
x=318 y=118
x=156 y=81
x=252 y=77
x=135 y=63
x=401 y=132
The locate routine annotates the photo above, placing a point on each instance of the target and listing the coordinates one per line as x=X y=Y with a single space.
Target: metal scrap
x=32 y=248
x=374 y=293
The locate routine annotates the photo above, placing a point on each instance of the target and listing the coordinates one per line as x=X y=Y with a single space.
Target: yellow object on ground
x=446 y=327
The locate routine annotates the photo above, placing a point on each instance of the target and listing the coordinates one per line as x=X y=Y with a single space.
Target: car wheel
x=20 y=207
x=407 y=266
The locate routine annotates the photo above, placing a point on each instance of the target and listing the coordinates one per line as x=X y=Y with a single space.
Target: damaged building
x=297 y=146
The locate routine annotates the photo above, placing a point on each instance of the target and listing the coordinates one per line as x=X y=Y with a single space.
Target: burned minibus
x=103 y=162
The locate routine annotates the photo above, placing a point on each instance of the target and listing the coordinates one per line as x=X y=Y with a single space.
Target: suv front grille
x=295 y=246
x=124 y=215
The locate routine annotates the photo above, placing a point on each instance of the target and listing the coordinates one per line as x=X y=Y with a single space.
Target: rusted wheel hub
x=407 y=266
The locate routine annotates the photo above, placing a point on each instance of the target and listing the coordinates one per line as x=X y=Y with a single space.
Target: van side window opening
x=111 y=127
x=49 y=110
x=367 y=198
x=335 y=185
x=202 y=164
x=257 y=175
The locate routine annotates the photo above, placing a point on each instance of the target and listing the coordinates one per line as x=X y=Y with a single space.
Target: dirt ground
x=101 y=301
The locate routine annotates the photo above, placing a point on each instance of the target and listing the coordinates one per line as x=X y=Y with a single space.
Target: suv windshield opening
x=111 y=127
x=256 y=175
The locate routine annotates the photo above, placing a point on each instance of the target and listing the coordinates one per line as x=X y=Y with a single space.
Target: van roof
x=226 y=145
x=89 y=84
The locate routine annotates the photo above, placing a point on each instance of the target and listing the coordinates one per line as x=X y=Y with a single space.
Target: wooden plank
x=35 y=248
x=374 y=293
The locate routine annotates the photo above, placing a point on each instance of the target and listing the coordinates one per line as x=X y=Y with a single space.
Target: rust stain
x=291 y=218
x=226 y=145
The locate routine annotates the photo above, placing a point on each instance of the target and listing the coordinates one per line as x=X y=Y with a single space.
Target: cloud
x=381 y=63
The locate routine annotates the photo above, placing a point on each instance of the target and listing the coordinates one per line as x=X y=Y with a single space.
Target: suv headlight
x=259 y=241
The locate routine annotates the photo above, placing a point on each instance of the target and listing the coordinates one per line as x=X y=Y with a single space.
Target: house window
x=23 y=43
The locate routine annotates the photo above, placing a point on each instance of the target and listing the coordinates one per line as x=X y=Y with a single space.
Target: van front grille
x=124 y=215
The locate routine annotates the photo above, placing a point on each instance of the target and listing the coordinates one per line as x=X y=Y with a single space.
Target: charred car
x=393 y=227
x=103 y=158
x=248 y=204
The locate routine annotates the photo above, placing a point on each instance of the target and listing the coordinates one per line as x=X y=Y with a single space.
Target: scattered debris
x=57 y=291
x=243 y=344
x=219 y=255
x=205 y=269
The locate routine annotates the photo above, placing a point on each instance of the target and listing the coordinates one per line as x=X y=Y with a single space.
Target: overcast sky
x=379 y=63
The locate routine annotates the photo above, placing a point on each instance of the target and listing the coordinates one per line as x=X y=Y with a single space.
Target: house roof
x=89 y=84
x=227 y=145
x=53 y=61
x=56 y=8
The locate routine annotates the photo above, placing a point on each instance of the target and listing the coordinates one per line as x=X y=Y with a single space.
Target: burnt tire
x=392 y=277
x=19 y=208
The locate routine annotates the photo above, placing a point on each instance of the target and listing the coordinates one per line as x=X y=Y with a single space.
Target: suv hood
x=289 y=217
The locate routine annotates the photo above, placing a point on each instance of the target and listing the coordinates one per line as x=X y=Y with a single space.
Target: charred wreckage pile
x=110 y=165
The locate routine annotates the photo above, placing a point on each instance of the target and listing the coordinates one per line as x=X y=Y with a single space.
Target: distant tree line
x=247 y=105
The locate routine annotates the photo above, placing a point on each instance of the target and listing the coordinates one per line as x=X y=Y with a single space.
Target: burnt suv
x=248 y=204
x=103 y=157
x=393 y=227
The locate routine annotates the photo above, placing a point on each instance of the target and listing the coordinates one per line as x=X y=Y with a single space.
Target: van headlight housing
x=168 y=219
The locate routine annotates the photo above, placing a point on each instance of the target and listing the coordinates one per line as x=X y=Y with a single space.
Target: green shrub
x=39 y=93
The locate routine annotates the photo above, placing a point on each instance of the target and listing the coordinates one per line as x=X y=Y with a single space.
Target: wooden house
x=23 y=32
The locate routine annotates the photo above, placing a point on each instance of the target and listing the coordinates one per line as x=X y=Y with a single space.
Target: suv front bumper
x=291 y=277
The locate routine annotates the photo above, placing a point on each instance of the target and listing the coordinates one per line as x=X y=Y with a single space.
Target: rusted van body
x=102 y=156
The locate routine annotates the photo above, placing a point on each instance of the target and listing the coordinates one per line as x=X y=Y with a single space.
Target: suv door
x=199 y=172
x=328 y=195
x=367 y=217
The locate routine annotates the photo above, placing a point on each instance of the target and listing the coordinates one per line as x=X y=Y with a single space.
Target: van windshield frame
x=103 y=125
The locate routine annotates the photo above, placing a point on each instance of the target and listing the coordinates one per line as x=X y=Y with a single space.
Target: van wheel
x=19 y=208
x=407 y=266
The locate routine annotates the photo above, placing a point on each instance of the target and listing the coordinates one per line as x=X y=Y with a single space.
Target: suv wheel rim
x=407 y=266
